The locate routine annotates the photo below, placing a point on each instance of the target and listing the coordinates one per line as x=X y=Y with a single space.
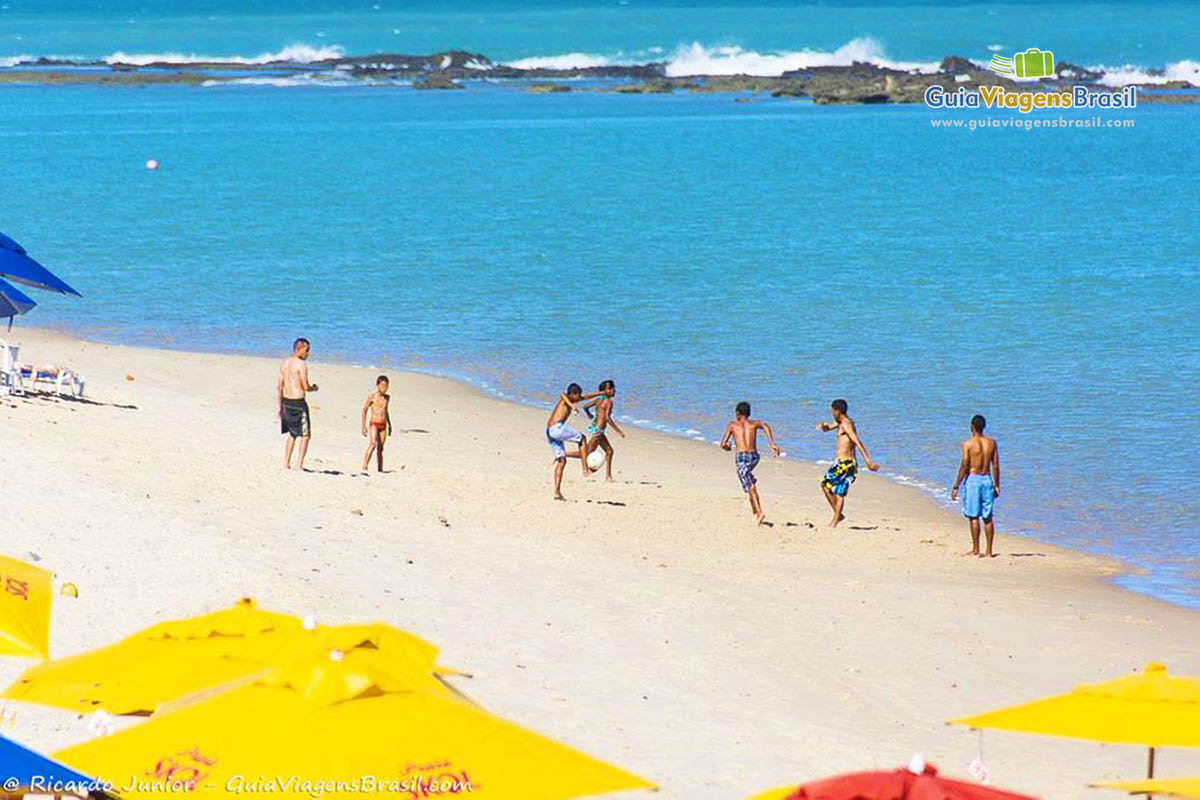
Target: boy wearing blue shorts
x=980 y=466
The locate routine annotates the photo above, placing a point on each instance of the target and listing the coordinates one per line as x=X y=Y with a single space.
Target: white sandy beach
x=646 y=622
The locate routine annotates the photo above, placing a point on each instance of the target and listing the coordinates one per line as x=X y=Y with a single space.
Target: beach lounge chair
x=63 y=380
x=10 y=375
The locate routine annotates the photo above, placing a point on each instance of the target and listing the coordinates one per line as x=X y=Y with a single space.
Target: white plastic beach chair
x=64 y=381
x=10 y=374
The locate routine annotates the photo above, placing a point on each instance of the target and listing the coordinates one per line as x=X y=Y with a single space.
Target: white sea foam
x=996 y=48
x=1186 y=70
x=12 y=61
x=326 y=79
x=293 y=53
x=564 y=61
x=696 y=59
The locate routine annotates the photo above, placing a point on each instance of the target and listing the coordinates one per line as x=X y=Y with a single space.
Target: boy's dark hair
x=299 y=342
x=839 y=405
x=606 y=385
x=382 y=379
x=978 y=423
x=743 y=409
x=574 y=388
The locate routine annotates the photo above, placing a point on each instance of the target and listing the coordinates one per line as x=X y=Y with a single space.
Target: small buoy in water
x=152 y=164
x=69 y=590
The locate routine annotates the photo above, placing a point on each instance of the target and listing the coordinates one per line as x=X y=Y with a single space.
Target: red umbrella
x=900 y=784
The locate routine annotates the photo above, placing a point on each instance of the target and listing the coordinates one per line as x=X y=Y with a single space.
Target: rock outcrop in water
x=858 y=83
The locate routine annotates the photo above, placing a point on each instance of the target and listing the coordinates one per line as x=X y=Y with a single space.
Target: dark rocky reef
x=858 y=83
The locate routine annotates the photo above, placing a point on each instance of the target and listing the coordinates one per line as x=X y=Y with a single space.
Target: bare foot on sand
x=836 y=520
x=761 y=517
x=970 y=553
x=558 y=496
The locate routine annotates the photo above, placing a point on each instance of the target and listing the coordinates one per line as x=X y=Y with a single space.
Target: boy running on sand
x=381 y=422
x=744 y=433
x=598 y=429
x=980 y=465
x=558 y=432
x=838 y=477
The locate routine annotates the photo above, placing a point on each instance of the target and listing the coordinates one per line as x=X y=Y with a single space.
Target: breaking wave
x=1186 y=70
x=696 y=59
x=564 y=61
x=293 y=53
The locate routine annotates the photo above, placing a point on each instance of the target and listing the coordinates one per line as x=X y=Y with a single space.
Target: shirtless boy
x=558 y=432
x=838 y=477
x=743 y=431
x=381 y=422
x=291 y=391
x=597 y=431
x=980 y=465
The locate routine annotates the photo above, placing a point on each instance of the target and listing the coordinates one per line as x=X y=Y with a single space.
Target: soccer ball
x=596 y=459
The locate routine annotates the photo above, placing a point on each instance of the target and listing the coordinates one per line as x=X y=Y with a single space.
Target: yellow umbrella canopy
x=1151 y=708
x=775 y=794
x=178 y=658
x=1172 y=787
x=342 y=729
x=25 y=592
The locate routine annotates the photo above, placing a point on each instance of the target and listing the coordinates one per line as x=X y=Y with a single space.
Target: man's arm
x=852 y=432
x=727 y=437
x=279 y=392
x=770 y=437
x=962 y=473
x=825 y=427
x=996 y=469
x=308 y=387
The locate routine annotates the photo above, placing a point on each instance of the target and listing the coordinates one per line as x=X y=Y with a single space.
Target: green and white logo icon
x=1033 y=63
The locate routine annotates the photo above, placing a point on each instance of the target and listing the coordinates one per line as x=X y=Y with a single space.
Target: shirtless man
x=980 y=465
x=743 y=431
x=292 y=407
x=597 y=431
x=558 y=432
x=844 y=470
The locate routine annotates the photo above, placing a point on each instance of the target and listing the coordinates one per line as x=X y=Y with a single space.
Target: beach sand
x=646 y=622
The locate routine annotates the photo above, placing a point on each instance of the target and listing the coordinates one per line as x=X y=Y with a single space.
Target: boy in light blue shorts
x=980 y=467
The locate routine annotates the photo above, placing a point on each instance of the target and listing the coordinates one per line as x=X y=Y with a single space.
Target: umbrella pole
x=1150 y=770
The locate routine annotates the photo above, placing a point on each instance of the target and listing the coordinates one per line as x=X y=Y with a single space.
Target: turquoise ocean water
x=699 y=251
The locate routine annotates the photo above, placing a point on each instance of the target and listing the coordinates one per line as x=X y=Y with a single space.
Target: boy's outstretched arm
x=612 y=422
x=727 y=437
x=366 y=406
x=770 y=438
x=962 y=473
x=825 y=427
x=852 y=432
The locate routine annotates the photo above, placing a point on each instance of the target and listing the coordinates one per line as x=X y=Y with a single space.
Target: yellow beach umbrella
x=1171 y=787
x=342 y=730
x=1152 y=708
x=775 y=794
x=178 y=658
x=24 y=609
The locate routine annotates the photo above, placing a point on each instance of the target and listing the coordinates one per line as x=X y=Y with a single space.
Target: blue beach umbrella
x=16 y=265
x=26 y=769
x=13 y=301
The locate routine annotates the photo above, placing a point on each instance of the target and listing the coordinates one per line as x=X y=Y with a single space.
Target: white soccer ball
x=596 y=459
